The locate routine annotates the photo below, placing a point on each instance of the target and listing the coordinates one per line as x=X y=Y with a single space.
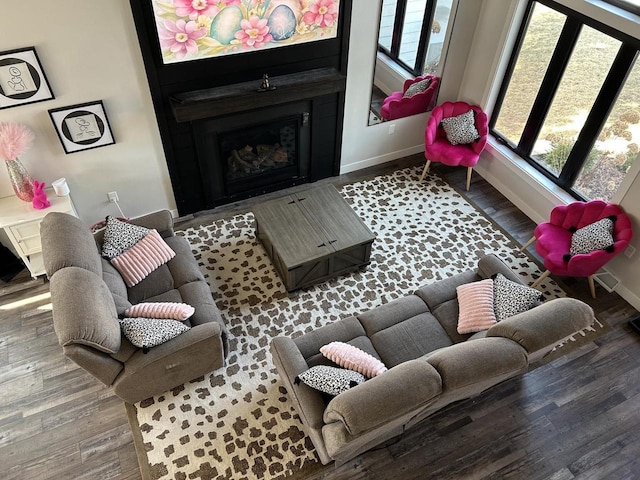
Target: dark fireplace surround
x=223 y=139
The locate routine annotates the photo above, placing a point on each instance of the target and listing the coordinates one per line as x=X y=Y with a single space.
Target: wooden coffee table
x=312 y=236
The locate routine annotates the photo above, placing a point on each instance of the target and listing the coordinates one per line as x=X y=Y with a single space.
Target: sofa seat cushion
x=483 y=362
x=377 y=402
x=116 y=285
x=403 y=330
x=180 y=270
x=447 y=314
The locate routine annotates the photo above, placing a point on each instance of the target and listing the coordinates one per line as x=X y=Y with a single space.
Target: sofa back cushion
x=83 y=310
x=68 y=242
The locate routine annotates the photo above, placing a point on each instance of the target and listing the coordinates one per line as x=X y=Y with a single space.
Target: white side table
x=21 y=222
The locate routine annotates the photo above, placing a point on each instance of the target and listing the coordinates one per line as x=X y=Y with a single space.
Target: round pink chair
x=554 y=240
x=397 y=105
x=438 y=149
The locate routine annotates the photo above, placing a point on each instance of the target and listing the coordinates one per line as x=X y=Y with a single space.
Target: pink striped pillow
x=353 y=358
x=475 y=301
x=136 y=263
x=169 y=310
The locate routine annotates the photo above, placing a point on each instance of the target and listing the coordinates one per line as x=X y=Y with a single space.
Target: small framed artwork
x=82 y=127
x=22 y=79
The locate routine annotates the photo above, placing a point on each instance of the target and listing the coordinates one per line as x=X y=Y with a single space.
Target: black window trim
x=599 y=113
x=396 y=37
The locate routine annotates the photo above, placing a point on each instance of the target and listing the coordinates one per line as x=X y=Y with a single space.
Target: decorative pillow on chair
x=461 y=129
x=353 y=358
x=417 y=87
x=149 y=332
x=511 y=298
x=595 y=236
x=172 y=310
x=475 y=301
x=330 y=380
x=120 y=236
x=143 y=258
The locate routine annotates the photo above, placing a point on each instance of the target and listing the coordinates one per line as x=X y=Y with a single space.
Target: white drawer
x=28 y=237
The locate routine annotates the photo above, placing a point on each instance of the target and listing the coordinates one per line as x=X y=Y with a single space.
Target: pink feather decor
x=15 y=139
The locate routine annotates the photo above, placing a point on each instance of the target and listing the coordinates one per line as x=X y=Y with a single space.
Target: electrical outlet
x=113 y=197
x=629 y=251
x=392 y=129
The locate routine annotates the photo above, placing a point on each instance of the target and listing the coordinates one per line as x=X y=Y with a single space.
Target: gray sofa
x=88 y=294
x=430 y=364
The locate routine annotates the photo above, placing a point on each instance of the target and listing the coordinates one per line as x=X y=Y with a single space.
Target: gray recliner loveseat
x=429 y=362
x=88 y=295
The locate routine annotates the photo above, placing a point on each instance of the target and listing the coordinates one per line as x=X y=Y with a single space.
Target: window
x=412 y=33
x=570 y=102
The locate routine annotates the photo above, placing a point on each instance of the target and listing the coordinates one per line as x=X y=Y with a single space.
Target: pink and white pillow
x=138 y=261
x=353 y=358
x=168 y=310
x=475 y=301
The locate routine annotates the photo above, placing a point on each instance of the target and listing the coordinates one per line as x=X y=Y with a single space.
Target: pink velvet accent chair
x=397 y=105
x=438 y=149
x=554 y=240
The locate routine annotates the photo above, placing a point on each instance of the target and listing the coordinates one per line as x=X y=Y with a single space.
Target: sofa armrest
x=490 y=265
x=404 y=388
x=290 y=363
x=162 y=221
x=540 y=329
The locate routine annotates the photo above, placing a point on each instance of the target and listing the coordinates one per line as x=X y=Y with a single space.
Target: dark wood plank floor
x=576 y=417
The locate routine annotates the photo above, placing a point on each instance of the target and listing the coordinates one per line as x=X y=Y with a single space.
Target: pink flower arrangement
x=180 y=37
x=254 y=32
x=323 y=13
x=15 y=139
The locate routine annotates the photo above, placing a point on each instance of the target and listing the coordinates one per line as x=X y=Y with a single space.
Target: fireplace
x=197 y=103
x=254 y=152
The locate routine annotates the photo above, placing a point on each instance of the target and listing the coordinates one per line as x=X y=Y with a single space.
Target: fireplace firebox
x=253 y=152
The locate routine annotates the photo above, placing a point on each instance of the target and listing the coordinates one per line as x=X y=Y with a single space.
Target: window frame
x=396 y=37
x=603 y=104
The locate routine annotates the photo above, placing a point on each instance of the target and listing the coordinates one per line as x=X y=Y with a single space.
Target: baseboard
x=628 y=295
x=387 y=157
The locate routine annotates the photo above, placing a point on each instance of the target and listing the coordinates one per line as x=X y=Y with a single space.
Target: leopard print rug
x=237 y=423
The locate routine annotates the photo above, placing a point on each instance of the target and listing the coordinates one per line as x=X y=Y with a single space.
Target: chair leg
x=540 y=279
x=592 y=286
x=425 y=170
x=469 y=170
x=526 y=245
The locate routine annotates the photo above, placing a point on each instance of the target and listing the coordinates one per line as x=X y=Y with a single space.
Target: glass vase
x=20 y=180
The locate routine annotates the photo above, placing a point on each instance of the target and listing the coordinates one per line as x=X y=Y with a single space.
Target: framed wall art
x=189 y=30
x=82 y=127
x=22 y=79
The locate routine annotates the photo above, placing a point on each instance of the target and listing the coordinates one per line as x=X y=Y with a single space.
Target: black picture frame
x=82 y=127
x=22 y=78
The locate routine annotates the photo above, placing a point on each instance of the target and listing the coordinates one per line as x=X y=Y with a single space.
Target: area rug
x=238 y=423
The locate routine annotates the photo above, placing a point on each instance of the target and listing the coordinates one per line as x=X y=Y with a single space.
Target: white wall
x=363 y=145
x=90 y=52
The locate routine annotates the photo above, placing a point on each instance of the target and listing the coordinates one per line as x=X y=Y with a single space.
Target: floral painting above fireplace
x=197 y=29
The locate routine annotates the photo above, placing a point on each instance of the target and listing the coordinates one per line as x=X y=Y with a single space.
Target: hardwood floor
x=576 y=417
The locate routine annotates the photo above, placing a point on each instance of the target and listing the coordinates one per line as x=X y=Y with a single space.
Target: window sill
x=518 y=167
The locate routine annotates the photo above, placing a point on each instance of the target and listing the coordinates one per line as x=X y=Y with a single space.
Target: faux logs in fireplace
x=254 y=152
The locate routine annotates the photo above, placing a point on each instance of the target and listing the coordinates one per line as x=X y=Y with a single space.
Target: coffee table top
x=311 y=224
